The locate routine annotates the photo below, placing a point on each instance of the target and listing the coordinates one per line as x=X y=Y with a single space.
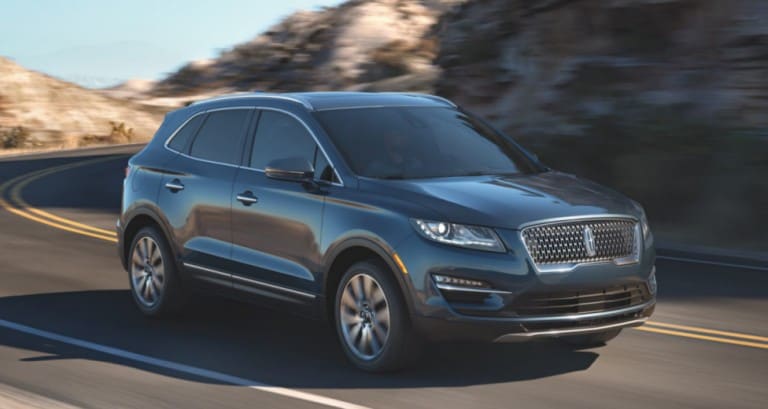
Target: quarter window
x=221 y=137
x=181 y=140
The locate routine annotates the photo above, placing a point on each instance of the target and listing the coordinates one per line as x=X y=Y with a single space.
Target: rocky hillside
x=665 y=100
x=346 y=47
x=555 y=63
x=40 y=111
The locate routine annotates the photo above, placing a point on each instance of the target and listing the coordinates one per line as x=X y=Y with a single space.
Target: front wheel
x=591 y=340
x=372 y=319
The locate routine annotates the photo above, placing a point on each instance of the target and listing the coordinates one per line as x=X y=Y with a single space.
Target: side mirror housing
x=291 y=169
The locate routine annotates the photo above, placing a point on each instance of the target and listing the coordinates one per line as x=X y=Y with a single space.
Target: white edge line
x=715 y=263
x=174 y=366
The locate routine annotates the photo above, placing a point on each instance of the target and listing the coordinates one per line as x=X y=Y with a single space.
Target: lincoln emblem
x=589 y=242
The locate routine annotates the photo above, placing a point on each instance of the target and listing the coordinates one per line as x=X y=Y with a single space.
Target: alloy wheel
x=364 y=316
x=147 y=272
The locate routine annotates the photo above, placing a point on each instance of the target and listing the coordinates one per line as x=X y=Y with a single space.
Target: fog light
x=459 y=282
x=652 y=286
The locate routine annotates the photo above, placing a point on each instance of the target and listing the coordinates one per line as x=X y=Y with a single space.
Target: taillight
x=127 y=171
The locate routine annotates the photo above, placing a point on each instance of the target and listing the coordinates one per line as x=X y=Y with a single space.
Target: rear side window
x=181 y=140
x=220 y=138
x=280 y=136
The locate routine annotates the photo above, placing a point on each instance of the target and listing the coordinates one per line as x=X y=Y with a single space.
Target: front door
x=276 y=224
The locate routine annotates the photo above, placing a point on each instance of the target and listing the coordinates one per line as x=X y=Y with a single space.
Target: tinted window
x=181 y=140
x=419 y=142
x=220 y=138
x=280 y=136
x=323 y=169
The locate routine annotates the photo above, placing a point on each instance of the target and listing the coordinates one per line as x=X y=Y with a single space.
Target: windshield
x=420 y=142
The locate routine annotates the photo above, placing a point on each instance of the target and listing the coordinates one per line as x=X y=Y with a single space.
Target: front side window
x=280 y=136
x=420 y=142
x=323 y=169
x=220 y=138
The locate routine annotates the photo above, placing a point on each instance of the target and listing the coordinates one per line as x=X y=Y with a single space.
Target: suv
x=398 y=217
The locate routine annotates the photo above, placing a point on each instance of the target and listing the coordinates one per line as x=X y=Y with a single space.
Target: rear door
x=276 y=232
x=196 y=195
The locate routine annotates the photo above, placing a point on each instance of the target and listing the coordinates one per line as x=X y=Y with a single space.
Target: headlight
x=473 y=237
x=644 y=225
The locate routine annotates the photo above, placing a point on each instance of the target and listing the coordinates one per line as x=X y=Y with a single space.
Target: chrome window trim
x=568 y=267
x=250 y=281
x=255 y=96
x=309 y=130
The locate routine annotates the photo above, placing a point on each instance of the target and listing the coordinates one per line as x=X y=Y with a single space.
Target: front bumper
x=523 y=303
x=582 y=325
x=530 y=328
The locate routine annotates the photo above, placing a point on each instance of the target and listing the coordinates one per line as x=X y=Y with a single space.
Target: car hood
x=508 y=201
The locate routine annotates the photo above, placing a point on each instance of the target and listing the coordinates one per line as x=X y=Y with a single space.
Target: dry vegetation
x=41 y=112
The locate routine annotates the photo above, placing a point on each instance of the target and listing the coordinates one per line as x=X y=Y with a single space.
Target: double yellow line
x=19 y=207
x=706 y=334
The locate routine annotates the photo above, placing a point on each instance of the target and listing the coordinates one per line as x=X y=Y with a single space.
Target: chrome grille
x=564 y=242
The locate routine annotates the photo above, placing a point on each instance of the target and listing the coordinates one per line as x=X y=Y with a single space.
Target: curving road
x=70 y=337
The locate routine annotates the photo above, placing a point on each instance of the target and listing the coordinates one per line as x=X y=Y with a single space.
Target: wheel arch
x=139 y=219
x=353 y=250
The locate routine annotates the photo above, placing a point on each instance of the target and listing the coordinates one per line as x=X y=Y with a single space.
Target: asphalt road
x=70 y=336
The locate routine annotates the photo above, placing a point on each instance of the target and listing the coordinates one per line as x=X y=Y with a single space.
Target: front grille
x=565 y=242
x=579 y=302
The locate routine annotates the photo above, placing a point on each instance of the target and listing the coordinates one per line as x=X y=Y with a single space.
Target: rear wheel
x=372 y=319
x=591 y=340
x=153 y=277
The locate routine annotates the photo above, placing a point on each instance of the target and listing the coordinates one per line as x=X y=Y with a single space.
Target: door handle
x=174 y=186
x=247 y=198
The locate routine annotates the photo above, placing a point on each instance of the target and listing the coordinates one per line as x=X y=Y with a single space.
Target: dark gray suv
x=400 y=218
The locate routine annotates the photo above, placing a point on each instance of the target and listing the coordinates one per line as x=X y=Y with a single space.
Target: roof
x=320 y=101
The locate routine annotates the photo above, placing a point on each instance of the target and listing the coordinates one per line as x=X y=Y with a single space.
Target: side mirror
x=293 y=169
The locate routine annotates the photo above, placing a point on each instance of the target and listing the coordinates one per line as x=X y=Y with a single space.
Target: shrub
x=15 y=137
x=120 y=132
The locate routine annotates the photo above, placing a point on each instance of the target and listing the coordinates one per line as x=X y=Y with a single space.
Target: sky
x=99 y=43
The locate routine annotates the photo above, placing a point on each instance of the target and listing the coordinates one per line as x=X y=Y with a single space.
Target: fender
x=382 y=249
x=130 y=216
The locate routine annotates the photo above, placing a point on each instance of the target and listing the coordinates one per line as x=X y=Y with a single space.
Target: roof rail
x=256 y=95
x=432 y=97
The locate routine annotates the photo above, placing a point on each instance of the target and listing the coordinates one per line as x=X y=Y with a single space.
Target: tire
x=591 y=340
x=153 y=275
x=373 y=325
